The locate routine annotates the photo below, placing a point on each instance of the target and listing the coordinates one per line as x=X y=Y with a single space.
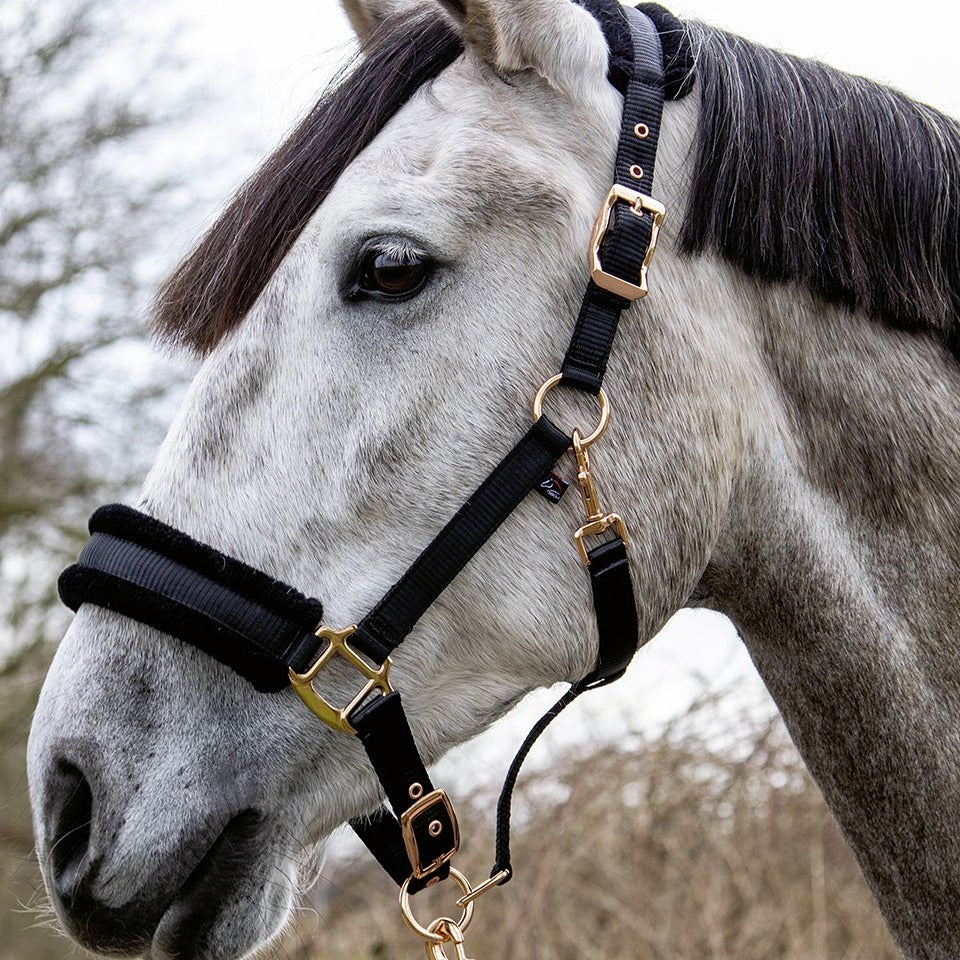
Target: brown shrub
x=682 y=846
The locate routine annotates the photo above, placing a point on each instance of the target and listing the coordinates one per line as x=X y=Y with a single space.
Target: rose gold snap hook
x=451 y=933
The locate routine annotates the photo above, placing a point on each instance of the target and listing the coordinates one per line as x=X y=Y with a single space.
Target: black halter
x=267 y=631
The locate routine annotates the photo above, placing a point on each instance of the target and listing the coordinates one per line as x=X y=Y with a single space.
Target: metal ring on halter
x=411 y=921
x=604 y=409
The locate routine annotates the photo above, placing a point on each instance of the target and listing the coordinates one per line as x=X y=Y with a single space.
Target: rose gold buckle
x=640 y=204
x=378 y=678
x=410 y=842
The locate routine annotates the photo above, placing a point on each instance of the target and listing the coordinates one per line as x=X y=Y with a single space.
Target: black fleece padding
x=677 y=57
x=617 y=34
x=129 y=524
x=153 y=573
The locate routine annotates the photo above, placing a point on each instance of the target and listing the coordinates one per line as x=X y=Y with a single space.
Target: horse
x=373 y=310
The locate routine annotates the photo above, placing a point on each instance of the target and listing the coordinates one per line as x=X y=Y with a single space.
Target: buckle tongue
x=640 y=204
x=378 y=678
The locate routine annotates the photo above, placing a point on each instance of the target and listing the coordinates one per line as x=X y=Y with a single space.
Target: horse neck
x=840 y=565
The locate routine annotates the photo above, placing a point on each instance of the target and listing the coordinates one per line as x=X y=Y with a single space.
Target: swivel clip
x=596 y=520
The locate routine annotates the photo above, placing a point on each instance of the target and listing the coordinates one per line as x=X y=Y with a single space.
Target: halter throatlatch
x=267 y=631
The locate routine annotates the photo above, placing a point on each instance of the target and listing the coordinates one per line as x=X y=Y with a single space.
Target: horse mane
x=806 y=174
x=802 y=173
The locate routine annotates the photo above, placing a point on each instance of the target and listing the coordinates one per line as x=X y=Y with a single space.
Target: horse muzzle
x=125 y=884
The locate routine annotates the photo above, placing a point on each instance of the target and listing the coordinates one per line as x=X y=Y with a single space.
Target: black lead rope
x=268 y=632
x=502 y=865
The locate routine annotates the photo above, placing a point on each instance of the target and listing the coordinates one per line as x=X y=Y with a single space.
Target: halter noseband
x=267 y=631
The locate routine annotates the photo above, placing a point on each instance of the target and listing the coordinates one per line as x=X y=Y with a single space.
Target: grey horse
x=785 y=449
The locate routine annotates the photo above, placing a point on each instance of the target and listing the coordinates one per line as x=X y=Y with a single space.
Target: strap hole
x=435 y=828
x=415 y=791
x=636 y=172
x=642 y=131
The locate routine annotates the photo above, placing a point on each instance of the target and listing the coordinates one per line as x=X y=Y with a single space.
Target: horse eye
x=391 y=274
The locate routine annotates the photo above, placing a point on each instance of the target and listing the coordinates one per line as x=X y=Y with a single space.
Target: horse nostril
x=69 y=817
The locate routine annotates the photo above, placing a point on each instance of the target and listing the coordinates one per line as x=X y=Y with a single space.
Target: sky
x=269 y=60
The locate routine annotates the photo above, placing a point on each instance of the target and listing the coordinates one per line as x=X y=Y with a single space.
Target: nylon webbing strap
x=628 y=236
x=616 y=612
x=431 y=829
x=389 y=622
x=144 y=569
x=380 y=833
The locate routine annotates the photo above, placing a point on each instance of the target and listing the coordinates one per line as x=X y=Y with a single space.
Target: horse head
x=374 y=312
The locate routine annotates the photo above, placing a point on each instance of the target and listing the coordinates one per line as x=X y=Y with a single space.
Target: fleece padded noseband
x=154 y=573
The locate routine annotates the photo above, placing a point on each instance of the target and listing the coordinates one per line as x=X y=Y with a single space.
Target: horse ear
x=366 y=15
x=556 y=38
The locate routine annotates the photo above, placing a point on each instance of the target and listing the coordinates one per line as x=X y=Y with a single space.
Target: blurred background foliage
x=78 y=212
x=705 y=840
x=676 y=845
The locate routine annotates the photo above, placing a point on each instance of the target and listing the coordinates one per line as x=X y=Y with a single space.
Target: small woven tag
x=552 y=487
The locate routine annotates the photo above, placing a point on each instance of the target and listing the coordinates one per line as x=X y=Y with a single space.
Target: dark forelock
x=218 y=282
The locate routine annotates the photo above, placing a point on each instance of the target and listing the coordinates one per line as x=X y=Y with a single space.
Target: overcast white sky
x=269 y=60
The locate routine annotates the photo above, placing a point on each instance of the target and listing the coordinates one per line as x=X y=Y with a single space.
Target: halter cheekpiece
x=267 y=631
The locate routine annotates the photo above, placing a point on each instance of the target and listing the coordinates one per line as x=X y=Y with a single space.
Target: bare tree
x=77 y=214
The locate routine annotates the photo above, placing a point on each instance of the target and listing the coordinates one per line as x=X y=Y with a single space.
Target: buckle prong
x=378 y=678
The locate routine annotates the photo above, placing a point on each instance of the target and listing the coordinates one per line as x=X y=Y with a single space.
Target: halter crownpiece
x=268 y=632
